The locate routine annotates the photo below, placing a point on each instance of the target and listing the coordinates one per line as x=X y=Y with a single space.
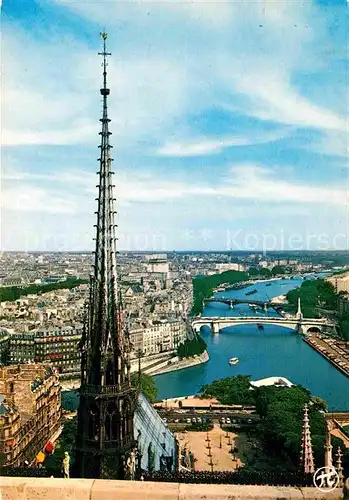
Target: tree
x=278 y=270
x=281 y=427
x=314 y=294
x=319 y=403
x=265 y=272
x=253 y=272
x=13 y=292
x=147 y=385
x=233 y=390
x=264 y=396
x=344 y=325
x=191 y=347
x=66 y=441
x=70 y=400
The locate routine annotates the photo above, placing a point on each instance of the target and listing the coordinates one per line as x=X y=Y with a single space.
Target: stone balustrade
x=23 y=488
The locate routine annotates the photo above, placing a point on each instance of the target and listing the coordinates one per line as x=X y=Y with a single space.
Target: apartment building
x=340 y=282
x=56 y=345
x=30 y=411
x=161 y=337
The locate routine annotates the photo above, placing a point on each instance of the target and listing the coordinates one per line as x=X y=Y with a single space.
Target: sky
x=229 y=123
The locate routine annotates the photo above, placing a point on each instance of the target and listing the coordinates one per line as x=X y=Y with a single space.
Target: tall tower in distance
x=307 y=458
x=105 y=435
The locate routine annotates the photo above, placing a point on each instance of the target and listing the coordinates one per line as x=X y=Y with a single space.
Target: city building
x=232 y=266
x=60 y=346
x=30 y=411
x=162 y=336
x=158 y=264
x=21 y=348
x=340 y=282
x=4 y=347
x=56 y=345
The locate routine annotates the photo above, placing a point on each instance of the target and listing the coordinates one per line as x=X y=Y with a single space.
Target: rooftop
x=277 y=381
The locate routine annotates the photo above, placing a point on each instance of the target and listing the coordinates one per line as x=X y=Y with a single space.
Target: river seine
x=274 y=351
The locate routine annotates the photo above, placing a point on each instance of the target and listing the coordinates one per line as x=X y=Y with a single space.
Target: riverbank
x=180 y=364
x=329 y=350
x=279 y=299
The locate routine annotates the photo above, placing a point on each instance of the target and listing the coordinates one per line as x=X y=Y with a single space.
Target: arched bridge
x=231 y=302
x=302 y=325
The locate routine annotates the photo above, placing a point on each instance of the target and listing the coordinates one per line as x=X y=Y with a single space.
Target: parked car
x=228 y=421
x=188 y=420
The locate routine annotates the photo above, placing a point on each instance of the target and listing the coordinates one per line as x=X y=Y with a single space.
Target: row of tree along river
x=273 y=351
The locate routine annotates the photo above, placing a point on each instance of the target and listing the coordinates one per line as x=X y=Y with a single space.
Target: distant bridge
x=302 y=325
x=231 y=302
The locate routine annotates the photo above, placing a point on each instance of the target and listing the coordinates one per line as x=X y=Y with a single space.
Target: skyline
x=228 y=124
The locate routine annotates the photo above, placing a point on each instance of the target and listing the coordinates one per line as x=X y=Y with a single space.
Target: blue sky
x=229 y=123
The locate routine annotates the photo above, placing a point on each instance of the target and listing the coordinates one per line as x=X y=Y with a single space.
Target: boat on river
x=251 y=292
x=260 y=326
x=254 y=307
x=233 y=361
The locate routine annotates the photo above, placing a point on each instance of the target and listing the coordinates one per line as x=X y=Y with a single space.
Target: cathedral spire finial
x=105 y=54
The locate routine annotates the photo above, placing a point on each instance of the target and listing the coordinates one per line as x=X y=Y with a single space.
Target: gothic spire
x=307 y=458
x=107 y=401
x=106 y=332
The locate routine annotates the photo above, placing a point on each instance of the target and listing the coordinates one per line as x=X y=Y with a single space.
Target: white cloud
x=50 y=94
x=244 y=182
x=24 y=198
x=274 y=98
x=207 y=146
x=63 y=106
x=331 y=143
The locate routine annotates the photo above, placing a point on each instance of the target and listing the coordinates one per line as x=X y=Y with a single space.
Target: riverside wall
x=316 y=348
x=180 y=364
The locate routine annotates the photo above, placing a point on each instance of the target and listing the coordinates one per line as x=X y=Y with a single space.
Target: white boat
x=233 y=361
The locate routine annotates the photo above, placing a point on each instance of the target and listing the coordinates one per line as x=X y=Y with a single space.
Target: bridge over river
x=231 y=302
x=302 y=325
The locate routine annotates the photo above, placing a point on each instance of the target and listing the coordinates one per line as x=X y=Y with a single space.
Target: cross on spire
x=105 y=54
